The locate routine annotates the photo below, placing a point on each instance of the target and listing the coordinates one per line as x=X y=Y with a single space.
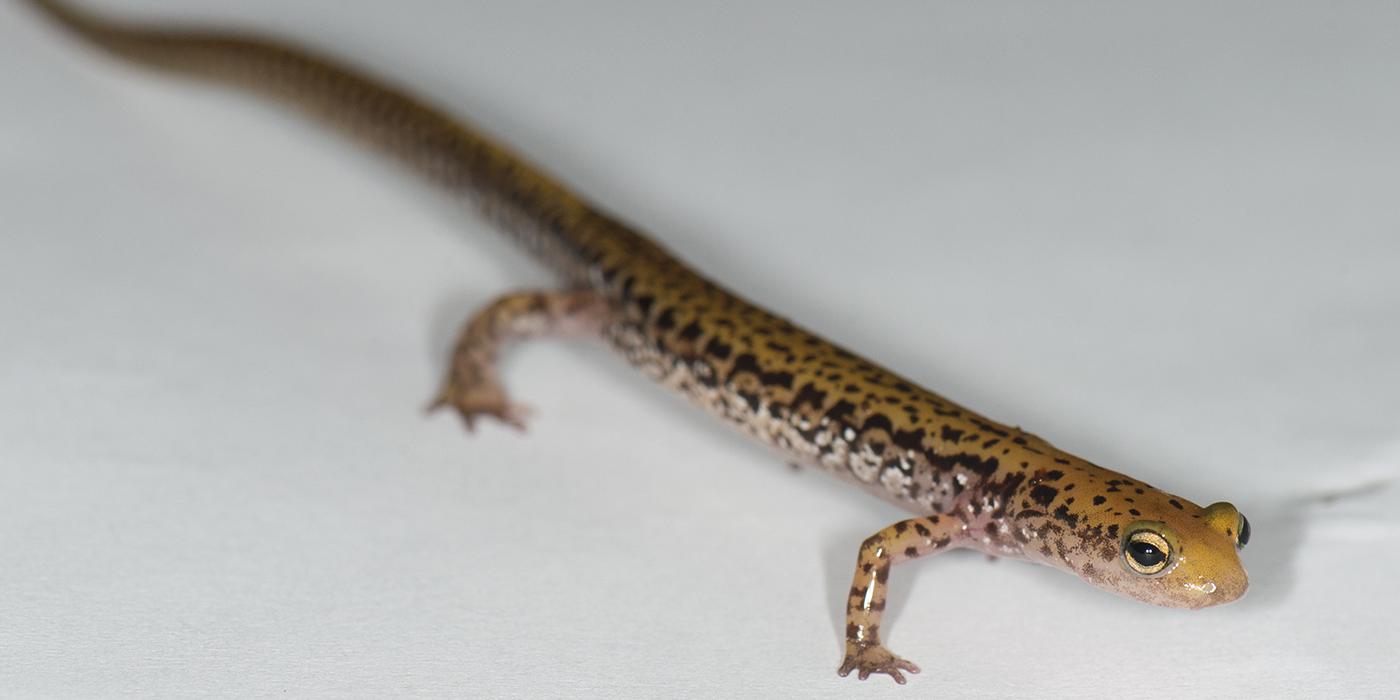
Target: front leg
x=900 y=542
x=472 y=386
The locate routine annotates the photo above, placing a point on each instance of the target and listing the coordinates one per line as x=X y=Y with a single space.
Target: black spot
x=1043 y=494
x=1062 y=513
x=1053 y=475
x=987 y=427
x=1099 y=500
x=1133 y=512
x=1175 y=504
x=666 y=320
x=778 y=378
x=877 y=420
x=691 y=331
x=909 y=439
x=911 y=552
x=720 y=350
x=983 y=467
x=838 y=410
x=950 y=434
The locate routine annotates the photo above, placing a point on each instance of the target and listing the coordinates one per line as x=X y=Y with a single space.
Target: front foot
x=482 y=399
x=866 y=658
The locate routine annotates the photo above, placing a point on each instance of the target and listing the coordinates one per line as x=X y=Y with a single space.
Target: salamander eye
x=1243 y=539
x=1146 y=552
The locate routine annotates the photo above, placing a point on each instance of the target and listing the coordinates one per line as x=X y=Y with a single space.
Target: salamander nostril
x=1244 y=531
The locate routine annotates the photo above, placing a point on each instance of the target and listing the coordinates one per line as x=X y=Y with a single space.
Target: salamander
x=967 y=480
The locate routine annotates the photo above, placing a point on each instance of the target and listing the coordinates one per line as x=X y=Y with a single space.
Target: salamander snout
x=1219 y=575
x=1187 y=557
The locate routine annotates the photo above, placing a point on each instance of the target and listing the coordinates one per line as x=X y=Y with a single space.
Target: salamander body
x=967 y=480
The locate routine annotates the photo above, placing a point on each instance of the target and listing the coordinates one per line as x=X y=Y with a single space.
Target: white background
x=1164 y=236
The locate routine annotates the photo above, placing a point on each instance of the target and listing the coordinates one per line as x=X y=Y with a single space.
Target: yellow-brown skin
x=972 y=481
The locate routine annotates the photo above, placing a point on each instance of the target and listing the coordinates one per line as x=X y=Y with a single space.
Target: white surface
x=1163 y=236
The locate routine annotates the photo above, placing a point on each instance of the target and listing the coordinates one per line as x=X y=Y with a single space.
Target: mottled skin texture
x=973 y=482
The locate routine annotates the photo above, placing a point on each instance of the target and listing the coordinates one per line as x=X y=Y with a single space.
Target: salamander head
x=1177 y=554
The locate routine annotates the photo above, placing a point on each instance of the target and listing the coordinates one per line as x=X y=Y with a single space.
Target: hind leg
x=472 y=386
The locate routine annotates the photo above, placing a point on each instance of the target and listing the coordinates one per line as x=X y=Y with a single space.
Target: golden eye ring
x=1146 y=553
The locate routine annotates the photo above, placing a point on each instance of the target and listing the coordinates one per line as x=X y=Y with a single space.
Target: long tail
x=549 y=219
